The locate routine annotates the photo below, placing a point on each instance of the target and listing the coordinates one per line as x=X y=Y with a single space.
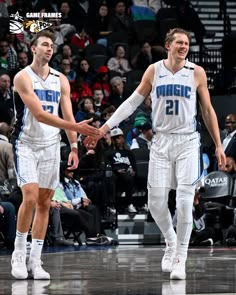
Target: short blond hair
x=170 y=36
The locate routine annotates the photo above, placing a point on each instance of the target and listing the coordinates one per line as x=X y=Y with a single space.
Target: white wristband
x=74 y=145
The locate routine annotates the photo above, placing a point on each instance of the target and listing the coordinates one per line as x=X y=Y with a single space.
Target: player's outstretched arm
x=128 y=106
x=23 y=86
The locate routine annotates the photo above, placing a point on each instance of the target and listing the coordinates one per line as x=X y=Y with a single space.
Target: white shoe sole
x=166 y=269
x=174 y=276
x=40 y=277
x=20 y=276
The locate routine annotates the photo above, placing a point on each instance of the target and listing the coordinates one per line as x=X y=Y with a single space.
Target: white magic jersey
x=174 y=106
x=27 y=128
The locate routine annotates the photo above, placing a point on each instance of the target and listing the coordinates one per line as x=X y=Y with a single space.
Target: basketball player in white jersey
x=36 y=143
x=175 y=151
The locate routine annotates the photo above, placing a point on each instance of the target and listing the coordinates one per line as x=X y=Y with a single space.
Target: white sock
x=184 y=231
x=36 y=248
x=20 y=241
x=170 y=238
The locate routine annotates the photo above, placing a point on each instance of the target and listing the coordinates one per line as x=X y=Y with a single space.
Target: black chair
x=142 y=160
x=94 y=49
x=218 y=187
x=115 y=37
x=98 y=60
x=146 y=30
x=233 y=200
x=217 y=196
x=133 y=78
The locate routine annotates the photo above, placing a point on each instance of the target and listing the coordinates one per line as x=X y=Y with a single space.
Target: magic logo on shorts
x=173 y=90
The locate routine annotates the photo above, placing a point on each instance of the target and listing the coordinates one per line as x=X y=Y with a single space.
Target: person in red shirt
x=103 y=83
x=82 y=39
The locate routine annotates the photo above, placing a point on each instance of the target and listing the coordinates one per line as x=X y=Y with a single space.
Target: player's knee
x=158 y=201
x=184 y=203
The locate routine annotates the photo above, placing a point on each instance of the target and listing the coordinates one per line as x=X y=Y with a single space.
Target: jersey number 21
x=172 y=107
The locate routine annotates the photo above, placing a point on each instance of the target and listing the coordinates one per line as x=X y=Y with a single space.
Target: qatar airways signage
x=216 y=181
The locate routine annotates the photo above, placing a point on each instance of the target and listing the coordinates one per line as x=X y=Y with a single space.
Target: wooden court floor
x=122 y=270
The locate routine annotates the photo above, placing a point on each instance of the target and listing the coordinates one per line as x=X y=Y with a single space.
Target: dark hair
x=44 y=33
x=4 y=40
x=82 y=102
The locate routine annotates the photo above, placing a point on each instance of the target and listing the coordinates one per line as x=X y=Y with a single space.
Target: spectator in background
x=73 y=219
x=81 y=40
x=79 y=90
x=85 y=71
x=67 y=15
x=55 y=226
x=62 y=32
x=6 y=155
x=23 y=60
x=123 y=165
x=8 y=215
x=107 y=113
x=143 y=141
x=103 y=83
x=84 y=11
x=102 y=26
x=107 y=142
x=147 y=55
x=98 y=97
x=6 y=99
x=78 y=197
x=155 y=5
x=118 y=94
x=119 y=63
x=12 y=52
x=65 y=68
x=86 y=106
x=4 y=53
x=230 y=166
x=229 y=142
x=122 y=22
x=65 y=51
x=139 y=120
x=146 y=107
x=201 y=235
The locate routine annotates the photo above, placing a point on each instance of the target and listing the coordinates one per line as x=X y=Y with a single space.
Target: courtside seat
x=218 y=187
x=233 y=200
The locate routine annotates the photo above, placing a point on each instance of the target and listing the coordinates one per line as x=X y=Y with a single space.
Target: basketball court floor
x=124 y=270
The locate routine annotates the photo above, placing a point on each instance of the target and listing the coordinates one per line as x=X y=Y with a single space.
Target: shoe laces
x=169 y=252
x=178 y=262
x=37 y=263
x=19 y=259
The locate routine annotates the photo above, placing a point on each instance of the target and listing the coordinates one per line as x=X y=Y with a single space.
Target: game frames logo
x=32 y=22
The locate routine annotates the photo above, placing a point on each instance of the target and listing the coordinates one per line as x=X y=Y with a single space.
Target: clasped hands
x=91 y=140
x=92 y=134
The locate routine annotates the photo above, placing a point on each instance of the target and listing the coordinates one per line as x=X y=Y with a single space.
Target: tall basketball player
x=173 y=84
x=39 y=90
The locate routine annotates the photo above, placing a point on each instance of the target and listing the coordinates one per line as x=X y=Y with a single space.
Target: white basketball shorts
x=37 y=164
x=174 y=160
